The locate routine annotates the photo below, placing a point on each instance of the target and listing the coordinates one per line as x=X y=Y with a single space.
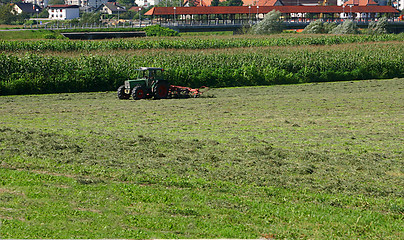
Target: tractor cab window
x=143 y=74
x=156 y=74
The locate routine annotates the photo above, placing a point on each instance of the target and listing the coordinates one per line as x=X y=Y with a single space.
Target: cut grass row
x=34 y=73
x=309 y=161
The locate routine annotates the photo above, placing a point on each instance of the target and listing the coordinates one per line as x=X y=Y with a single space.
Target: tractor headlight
x=127 y=85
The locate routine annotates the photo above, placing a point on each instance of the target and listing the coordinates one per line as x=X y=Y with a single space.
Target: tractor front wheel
x=161 y=90
x=121 y=93
x=138 y=93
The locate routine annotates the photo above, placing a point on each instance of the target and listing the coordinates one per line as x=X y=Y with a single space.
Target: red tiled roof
x=135 y=9
x=361 y=3
x=63 y=6
x=157 y=11
x=260 y=2
x=202 y=3
x=208 y=3
x=250 y=2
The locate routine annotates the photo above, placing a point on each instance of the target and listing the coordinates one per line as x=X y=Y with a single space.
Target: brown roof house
x=110 y=8
x=26 y=8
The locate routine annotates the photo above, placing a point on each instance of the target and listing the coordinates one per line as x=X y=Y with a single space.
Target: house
x=147 y=3
x=26 y=8
x=399 y=4
x=63 y=12
x=41 y=3
x=110 y=8
x=86 y=4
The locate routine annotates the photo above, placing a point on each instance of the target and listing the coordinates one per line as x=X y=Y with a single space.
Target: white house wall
x=17 y=9
x=74 y=2
x=400 y=4
x=63 y=13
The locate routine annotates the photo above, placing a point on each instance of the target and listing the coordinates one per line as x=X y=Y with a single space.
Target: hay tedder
x=151 y=83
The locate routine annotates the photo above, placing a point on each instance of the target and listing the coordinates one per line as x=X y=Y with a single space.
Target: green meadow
x=308 y=161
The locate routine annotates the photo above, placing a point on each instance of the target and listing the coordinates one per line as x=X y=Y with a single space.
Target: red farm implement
x=185 y=92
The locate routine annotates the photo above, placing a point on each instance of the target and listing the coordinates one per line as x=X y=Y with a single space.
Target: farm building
x=257 y=12
x=207 y=3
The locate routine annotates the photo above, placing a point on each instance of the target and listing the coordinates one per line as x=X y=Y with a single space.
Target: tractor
x=149 y=83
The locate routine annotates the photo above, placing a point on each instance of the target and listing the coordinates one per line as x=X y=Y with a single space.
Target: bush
x=49 y=36
x=270 y=24
x=90 y=18
x=157 y=30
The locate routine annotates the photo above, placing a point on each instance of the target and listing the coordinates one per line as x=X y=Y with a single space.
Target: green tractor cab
x=149 y=83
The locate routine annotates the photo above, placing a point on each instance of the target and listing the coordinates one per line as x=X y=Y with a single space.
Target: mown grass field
x=310 y=161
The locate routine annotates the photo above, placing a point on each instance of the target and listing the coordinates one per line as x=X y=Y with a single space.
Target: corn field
x=35 y=73
x=192 y=43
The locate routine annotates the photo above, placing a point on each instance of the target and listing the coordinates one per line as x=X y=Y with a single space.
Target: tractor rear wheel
x=121 y=93
x=138 y=93
x=161 y=90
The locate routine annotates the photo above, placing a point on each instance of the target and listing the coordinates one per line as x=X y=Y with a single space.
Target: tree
x=270 y=24
x=235 y=3
x=56 y=2
x=7 y=14
x=215 y=3
x=315 y=27
x=167 y=3
x=90 y=18
x=22 y=17
x=347 y=27
x=192 y=3
x=44 y=14
x=379 y=27
x=127 y=3
x=319 y=26
x=329 y=26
